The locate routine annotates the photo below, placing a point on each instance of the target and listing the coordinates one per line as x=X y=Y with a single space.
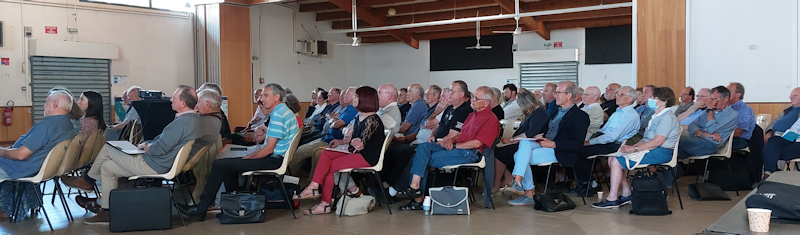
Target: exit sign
x=51 y=29
x=558 y=44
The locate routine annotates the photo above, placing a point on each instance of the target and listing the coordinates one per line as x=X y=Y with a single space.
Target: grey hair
x=420 y=91
x=137 y=88
x=580 y=90
x=212 y=97
x=276 y=90
x=498 y=95
x=212 y=86
x=62 y=98
x=738 y=89
x=488 y=94
x=571 y=89
x=436 y=89
x=631 y=93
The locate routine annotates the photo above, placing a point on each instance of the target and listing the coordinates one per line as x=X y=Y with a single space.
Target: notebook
x=340 y=148
x=790 y=135
x=125 y=147
x=237 y=151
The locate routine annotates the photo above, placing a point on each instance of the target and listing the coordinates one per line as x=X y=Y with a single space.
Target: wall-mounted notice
x=51 y=29
x=120 y=79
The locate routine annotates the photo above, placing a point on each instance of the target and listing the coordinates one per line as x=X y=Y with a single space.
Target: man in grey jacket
x=159 y=153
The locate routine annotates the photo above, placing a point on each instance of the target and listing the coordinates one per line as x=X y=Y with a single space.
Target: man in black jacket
x=560 y=143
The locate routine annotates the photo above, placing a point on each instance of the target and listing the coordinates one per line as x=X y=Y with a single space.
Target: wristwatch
x=636 y=148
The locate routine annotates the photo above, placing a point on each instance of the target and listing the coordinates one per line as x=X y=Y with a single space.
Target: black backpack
x=649 y=194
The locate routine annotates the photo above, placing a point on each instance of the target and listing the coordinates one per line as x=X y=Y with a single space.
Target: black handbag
x=242 y=208
x=140 y=209
x=649 y=195
x=552 y=202
x=707 y=192
x=781 y=198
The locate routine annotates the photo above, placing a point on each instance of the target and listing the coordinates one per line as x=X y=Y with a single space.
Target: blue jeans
x=4 y=175
x=434 y=155
x=695 y=146
x=530 y=153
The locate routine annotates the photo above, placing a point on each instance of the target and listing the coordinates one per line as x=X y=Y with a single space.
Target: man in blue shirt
x=747 y=120
x=26 y=156
x=334 y=132
x=645 y=113
x=417 y=113
x=694 y=111
x=622 y=125
x=712 y=129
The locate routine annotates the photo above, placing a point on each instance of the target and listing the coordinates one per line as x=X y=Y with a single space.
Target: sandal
x=325 y=210
x=412 y=206
x=409 y=193
x=354 y=194
x=314 y=195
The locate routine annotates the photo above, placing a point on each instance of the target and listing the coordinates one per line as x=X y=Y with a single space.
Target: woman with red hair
x=363 y=150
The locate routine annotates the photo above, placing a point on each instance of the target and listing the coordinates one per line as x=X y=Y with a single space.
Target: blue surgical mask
x=651 y=104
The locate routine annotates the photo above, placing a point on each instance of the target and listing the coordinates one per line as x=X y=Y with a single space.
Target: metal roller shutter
x=76 y=74
x=535 y=75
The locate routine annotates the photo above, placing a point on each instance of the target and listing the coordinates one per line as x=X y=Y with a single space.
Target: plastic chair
x=135 y=133
x=99 y=143
x=177 y=166
x=281 y=171
x=763 y=120
x=85 y=157
x=723 y=152
x=49 y=168
x=374 y=170
x=591 y=170
x=671 y=164
x=68 y=164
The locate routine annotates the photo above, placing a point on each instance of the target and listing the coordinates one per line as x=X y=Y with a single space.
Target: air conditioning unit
x=312 y=48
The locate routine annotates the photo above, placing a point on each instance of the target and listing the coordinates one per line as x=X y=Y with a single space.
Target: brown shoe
x=101 y=218
x=88 y=203
x=77 y=183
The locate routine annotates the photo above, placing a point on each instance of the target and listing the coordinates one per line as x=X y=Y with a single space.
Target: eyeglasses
x=561 y=92
x=476 y=98
x=429 y=93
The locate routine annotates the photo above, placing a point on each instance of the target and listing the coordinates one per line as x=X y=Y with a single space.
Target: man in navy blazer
x=566 y=131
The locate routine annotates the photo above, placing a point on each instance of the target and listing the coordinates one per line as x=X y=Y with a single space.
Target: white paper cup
x=759 y=219
x=600 y=196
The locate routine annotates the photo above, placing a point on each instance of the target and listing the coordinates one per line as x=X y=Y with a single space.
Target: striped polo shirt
x=282 y=126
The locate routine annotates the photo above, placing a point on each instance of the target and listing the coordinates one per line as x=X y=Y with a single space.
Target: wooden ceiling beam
x=463 y=33
x=509 y=6
x=319 y=7
x=437 y=6
x=592 y=23
x=364 y=13
x=334 y=16
x=627 y=11
x=379 y=39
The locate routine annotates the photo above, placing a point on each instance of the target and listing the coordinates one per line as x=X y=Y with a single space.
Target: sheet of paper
x=237 y=151
x=340 y=148
x=125 y=147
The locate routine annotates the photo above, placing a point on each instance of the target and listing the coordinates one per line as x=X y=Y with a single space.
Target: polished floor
x=504 y=220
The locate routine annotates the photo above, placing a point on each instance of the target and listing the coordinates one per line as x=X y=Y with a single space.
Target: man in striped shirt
x=281 y=129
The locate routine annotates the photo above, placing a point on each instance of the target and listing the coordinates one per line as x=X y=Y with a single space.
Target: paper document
x=532 y=139
x=125 y=147
x=237 y=151
x=340 y=148
x=790 y=135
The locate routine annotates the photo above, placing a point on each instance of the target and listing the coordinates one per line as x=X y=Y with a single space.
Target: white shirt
x=131 y=115
x=390 y=116
x=595 y=118
x=261 y=115
x=511 y=110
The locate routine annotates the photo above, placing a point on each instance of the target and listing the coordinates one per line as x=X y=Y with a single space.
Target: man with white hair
x=412 y=120
x=131 y=94
x=591 y=105
x=579 y=99
x=26 y=156
x=610 y=106
x=208 y=106
x=694 y=111
x=389 y=112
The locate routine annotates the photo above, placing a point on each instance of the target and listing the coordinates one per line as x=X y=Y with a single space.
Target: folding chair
x=49 y=168
x=281 y=171
x=671 y=164
x=374 y=170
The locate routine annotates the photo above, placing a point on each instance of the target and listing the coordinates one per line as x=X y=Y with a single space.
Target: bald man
x=610 y=106
x=389 y=112
x=591 y=105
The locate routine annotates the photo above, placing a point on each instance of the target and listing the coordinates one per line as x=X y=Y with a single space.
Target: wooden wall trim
x=236 y=79
x=661 y=43
x=21 y=122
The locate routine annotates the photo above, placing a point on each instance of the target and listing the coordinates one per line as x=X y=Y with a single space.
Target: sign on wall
x=4 y=61
x=50 y=29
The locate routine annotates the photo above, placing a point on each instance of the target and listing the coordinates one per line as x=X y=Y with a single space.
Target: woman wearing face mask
x=659 y=138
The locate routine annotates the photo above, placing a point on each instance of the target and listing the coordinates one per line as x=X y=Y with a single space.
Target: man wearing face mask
x=645 y=112
x=711 y=129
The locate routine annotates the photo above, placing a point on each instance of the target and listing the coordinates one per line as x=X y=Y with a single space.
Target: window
x=172 y=5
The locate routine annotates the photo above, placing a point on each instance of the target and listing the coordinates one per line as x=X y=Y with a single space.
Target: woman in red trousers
x=363 y=150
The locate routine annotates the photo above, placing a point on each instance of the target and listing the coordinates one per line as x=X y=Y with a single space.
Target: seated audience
x=92 y=104
x=282 y=127
x=459 y=147
x=510 y=107
x=495 y=104
x=561 y=142
x=621 y=126
x=592 y=107
x=314 y=104
x=697 y=108
x=402 y=102
x=294 y=105
x=26 y=156
x=388 y=110
x=610 y=105
x=320 y=104
x=659 y=139
x=711 y=129
x=210 y=120
x=687 y=100
x=644 y=111
x=535 y=123
x=412 y=120
x=579 y=98
x=364 y=147
x=339 y=121
x=548 y=95
x=225 y=129
x=322 y=120
x=747 y=120
x=132 y=94
x=258 y=117
x=158 y=158
x=778 y=148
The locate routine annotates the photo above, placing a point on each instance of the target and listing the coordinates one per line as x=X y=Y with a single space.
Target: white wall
x=279 y=27
x=155 y=47
x=719 y=38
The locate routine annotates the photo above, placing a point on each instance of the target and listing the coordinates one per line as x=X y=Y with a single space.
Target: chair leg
x=344 y=194
x=486 y=179
x=591 y=171
x=455 y=177
x=16 y=201
x=175 y=203
x=547 y=181
x=383 y=192
x=180 y=189
x=286 y=197
x=41 y=205
x=705 y=170
x=675 y=186
x=55 y=182
x=60 y=193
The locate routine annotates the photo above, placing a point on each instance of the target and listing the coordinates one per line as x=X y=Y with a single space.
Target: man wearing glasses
x=699 y=107
x=478 y=132
x=711 y=129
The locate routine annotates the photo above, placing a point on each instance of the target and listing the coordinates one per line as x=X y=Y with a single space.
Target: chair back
x=70 y=161
x=727 y=148
x=180 y=160
x=217 y=147
x=763 y=120
x=510 y=127
x=88 y=148
x=386 y=142
x=51 y=163
x=98 y=144
x=674 y=161
x=136 y=133
x=289 y=153
x=196 y=158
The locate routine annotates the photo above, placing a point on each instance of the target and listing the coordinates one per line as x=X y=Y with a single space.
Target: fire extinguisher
x=7 y=113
